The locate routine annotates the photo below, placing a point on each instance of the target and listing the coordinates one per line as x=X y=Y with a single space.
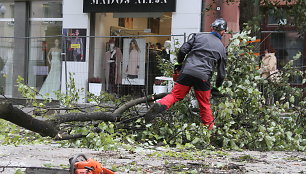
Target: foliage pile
x=259 y=114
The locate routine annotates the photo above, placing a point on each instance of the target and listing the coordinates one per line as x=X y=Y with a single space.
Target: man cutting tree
x=198 y=57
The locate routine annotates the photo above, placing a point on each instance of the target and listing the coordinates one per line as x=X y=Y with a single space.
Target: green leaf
x=195 y=140
x=187 y=135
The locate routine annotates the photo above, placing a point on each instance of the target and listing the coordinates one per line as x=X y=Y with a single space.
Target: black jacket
x=205 y=53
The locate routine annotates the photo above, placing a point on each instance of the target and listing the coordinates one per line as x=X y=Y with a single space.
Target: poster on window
x=133 y=69
x=75 y=44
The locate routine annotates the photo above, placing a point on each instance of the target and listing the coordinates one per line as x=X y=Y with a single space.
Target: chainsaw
x=86 y=166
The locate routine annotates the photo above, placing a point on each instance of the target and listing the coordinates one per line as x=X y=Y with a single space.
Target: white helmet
x=219 y=24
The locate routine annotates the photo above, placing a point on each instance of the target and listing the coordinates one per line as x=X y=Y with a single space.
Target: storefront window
x=6 y=47
x=129 y=66
x=274 y=19
x=44 y=70
x=287 y=45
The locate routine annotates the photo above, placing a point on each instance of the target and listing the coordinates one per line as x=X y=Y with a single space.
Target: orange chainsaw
x=86 y=166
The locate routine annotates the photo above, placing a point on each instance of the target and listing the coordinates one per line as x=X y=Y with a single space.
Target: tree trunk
x=49 y=127
x=18 y=117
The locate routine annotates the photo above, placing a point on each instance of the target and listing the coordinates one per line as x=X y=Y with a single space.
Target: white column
x=74 y=18
x=187 y=18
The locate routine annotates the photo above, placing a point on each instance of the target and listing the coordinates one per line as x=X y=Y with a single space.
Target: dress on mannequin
x=112 y=68
x=53 y=80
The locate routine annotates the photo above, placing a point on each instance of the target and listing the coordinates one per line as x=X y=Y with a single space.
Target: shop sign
x=129 y=6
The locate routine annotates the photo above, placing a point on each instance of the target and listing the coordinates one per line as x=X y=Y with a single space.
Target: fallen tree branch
x=14 y=115
x=60 y=137
x=132 y=103
x=82 y=117
x=51 y=127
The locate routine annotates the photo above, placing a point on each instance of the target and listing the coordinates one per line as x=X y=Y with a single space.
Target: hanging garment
x=118 y=67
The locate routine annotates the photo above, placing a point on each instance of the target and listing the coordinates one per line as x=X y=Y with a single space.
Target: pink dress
x=133 y=64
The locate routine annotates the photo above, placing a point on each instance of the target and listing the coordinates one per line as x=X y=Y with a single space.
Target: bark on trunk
x=94 y=116
x=18 y=117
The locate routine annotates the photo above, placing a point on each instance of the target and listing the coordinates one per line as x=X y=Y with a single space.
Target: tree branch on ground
x=51 y=126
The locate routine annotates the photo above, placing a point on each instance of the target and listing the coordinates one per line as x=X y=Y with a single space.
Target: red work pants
x=202 y=93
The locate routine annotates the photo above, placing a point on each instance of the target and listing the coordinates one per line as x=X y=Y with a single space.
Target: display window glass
x=126 y=63
x=287 y=45
x=6 y=47
x=45 y=47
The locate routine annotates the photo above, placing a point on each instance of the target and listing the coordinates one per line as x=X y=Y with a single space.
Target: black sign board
x=128 y=6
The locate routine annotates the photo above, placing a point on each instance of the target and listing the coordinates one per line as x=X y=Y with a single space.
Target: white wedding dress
x=53 y=81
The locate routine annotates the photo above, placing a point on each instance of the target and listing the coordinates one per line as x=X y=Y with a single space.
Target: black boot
x=153 y=111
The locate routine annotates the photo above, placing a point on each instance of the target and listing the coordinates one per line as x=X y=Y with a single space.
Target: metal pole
x=65 y=55
x=147 y=69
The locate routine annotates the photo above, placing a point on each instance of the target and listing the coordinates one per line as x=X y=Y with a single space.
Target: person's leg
x=202 y=93
x=203 y=98
x=178 y=93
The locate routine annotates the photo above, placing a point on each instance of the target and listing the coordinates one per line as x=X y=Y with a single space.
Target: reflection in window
x=52 y=10
x=287 y=45
x=46 y=9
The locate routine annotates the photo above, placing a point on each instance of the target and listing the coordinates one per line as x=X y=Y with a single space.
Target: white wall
x=187 y=18
x=73 y=17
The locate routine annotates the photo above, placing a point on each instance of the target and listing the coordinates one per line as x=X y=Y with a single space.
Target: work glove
x=215 y=92
x=177 y=68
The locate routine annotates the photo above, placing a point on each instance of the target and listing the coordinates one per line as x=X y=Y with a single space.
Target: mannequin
x=166 y=50
x=112 y=67
x=53 y=80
